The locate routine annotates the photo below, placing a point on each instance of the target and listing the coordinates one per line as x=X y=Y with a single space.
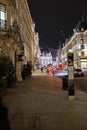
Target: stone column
x=18 y=71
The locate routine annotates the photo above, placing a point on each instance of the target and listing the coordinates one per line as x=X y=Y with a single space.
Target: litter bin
x=65 y=82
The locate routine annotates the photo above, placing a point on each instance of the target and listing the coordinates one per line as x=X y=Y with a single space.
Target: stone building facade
x=45 y=59
x=17 y=32
x=78 y=44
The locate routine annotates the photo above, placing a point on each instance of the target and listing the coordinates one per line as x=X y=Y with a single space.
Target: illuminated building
x=17 y=33
x=78 y=43
x=45 y=58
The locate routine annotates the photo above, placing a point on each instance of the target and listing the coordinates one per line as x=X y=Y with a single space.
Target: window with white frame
x=2 y=16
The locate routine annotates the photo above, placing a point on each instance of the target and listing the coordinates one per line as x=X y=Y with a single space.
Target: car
x=78 y=73
x=60 y=66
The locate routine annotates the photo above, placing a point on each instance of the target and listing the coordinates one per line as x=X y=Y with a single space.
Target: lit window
x=82 y=46
x=82 y=41
x=2 y=16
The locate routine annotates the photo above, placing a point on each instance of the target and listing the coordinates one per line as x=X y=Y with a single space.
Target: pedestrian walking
x=29 y=68
x=41 y=69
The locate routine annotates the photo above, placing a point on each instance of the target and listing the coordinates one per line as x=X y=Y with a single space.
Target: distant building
x=45 y=58
x=58 y=56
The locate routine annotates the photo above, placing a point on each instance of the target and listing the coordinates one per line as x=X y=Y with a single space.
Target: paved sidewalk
x=39 y=73
x=40 y=103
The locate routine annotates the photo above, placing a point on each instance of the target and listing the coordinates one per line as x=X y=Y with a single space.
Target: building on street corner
x=78 y=44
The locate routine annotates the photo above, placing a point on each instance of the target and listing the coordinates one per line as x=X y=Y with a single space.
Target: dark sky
x=55 y=19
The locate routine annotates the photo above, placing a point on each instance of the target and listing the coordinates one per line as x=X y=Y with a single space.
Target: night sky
x=55 y=19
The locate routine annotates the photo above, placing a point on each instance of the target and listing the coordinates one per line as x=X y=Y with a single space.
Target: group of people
x=26 y=70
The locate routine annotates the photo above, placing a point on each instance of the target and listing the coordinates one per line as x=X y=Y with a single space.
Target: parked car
x=85 y=71
x=78 y=73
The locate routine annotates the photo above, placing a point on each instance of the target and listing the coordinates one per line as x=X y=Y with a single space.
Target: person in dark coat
x=29 y=68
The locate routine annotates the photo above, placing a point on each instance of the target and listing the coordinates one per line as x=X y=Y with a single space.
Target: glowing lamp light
x=70 y=50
